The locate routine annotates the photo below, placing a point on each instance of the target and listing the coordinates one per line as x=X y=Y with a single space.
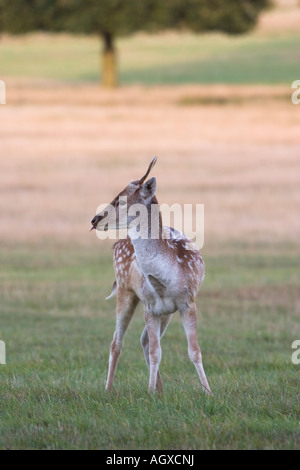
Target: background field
x=268 y=55
x=219 y=116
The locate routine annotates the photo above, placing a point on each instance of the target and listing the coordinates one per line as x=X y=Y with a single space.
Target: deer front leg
x=153 y=328
x=126 y=304
x=145 y=345
x=189 y=319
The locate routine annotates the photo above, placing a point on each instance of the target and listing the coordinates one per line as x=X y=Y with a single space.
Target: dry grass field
x=67 y=149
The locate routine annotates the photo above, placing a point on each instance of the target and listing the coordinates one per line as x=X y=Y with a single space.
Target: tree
x=107 y=19
x=112 y=18
x=23 y=16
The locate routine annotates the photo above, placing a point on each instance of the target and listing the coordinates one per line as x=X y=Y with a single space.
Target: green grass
x=57 y=328
x=153 y=60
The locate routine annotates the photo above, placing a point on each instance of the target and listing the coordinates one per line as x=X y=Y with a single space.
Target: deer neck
x=149 y=249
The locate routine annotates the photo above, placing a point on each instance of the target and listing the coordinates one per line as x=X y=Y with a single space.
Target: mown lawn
x=163 y=59
x=57 y=328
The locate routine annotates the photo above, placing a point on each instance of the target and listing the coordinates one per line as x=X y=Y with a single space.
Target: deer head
x=138 y=193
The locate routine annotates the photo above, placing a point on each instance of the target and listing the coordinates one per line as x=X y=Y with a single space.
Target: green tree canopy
x=112 y=18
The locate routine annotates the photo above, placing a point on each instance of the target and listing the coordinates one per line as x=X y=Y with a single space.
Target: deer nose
x=95 y=221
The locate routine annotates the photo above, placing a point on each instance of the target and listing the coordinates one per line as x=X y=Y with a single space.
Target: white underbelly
x=155 y=300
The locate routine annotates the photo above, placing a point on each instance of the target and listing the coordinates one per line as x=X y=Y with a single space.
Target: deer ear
x=148 y=189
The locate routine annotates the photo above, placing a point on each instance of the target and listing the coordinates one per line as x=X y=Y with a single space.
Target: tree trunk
x=109 y=62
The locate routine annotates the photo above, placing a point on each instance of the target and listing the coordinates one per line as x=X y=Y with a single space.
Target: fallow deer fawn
x=164 y=273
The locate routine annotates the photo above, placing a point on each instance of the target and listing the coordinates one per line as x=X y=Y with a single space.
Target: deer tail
x=113 y=292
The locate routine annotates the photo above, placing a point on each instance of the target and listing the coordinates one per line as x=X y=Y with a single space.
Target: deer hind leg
x=153 y=323
x=145 y=344
x=126 y=304
x=189 y=319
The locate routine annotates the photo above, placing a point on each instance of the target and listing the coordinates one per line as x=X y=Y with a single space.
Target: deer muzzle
x=95 y=221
